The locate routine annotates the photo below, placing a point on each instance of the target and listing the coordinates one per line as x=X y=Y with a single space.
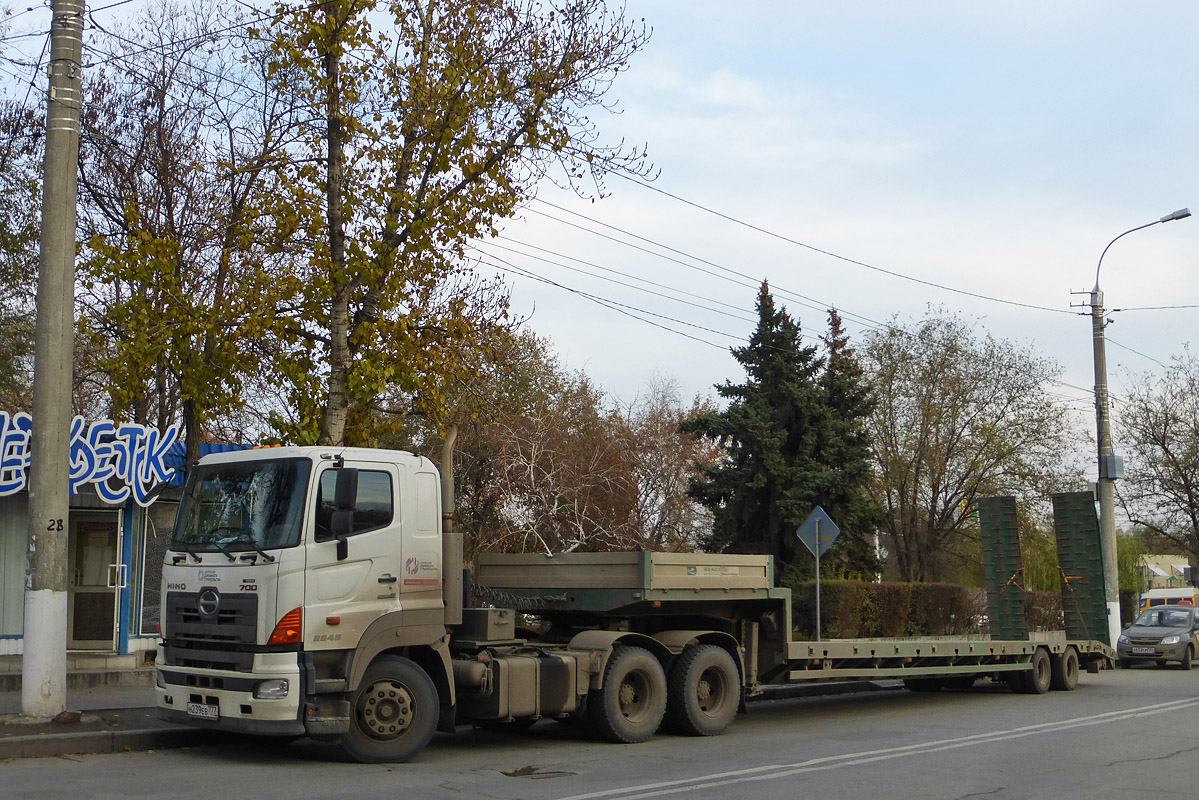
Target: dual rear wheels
x=1049 y=671
x=701 y=695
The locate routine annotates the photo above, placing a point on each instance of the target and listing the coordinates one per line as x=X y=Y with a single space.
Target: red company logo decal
x=414 y=566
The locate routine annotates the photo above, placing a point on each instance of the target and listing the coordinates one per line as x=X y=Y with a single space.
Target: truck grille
x=210 y=635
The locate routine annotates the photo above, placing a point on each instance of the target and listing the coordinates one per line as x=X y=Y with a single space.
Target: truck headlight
x=271 y=690
x=159 y=681
x=1174 y=639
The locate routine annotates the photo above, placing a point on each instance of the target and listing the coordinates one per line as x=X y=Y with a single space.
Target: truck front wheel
x=704 y=691
x=630 y=706
x=393 y=713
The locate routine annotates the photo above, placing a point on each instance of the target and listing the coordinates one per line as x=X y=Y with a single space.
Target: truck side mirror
x=341 y=521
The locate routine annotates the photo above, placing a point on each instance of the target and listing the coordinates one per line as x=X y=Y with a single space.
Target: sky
x=883 y=158
x=994 y=149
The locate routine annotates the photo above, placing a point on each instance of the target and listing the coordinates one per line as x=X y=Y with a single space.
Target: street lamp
x=1110 y=466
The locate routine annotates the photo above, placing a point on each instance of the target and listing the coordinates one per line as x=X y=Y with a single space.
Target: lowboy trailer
x=311 y=591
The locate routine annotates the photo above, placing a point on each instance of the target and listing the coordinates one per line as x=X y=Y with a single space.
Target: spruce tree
x=794 y=439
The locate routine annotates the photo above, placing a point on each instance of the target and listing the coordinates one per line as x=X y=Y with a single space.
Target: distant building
x=1164 y=571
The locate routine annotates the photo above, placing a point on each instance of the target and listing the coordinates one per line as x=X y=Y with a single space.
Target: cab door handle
x=387 y=579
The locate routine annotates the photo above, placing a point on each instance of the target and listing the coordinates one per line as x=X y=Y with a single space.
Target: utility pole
x=1107 y=470
x=44 y=659
x=1110 y=466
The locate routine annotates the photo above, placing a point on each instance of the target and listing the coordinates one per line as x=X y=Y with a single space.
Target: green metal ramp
x=1080 y=559
x=1003 y=570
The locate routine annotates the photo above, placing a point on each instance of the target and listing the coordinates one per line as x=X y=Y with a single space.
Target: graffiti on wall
x=123 y=461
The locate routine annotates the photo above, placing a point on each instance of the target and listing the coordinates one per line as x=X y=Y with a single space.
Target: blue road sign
x=819 y=526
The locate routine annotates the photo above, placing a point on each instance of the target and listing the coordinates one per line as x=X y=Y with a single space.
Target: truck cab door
x=353 y=578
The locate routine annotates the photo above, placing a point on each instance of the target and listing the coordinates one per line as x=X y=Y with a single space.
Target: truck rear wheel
x=1065 y=670
x=1037 y=679
x=704 y=691
x=393 y=714
x=630 y=706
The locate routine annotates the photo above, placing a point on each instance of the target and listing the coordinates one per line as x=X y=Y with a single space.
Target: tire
x=1124 y=663
x=1037 y=679
x=630 y=706
x=393 y=714
x=922 y=684
x=1185 y=663
x=704 y=691
x=1065 y=670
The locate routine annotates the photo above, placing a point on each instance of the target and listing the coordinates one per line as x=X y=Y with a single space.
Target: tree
x=846 y=449
x=664 y=460
x=787 y=448
x=539 y=465
x=959 y=416
x=180 y=294
x=432 y=120
x=1158 y=424
x=22 y=136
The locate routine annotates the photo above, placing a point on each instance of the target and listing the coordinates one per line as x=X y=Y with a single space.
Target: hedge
x=857 y=610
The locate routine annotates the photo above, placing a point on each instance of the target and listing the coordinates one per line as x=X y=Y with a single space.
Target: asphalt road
x=1120 y=734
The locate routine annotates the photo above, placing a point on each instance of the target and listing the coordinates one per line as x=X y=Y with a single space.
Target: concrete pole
x=1106 y=485
x=44 y=659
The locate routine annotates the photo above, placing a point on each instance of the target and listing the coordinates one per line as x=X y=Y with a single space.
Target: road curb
x=41 y=745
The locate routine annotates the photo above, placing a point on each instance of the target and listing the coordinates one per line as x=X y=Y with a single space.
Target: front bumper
x=1171 y=652
x=231 y=695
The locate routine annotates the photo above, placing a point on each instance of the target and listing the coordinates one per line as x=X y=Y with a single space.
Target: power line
x=741 y=316
x=1152 y=308
x=837 y=256
x=1110 y=340
x=802 y=300
x=508 y=267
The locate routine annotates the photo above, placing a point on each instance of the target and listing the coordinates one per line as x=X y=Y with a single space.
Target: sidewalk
x=111 y=719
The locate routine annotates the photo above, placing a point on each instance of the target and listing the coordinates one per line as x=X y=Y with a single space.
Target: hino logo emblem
x=208 y=603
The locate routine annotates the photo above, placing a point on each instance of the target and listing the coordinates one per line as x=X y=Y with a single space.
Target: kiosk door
x=96 y=574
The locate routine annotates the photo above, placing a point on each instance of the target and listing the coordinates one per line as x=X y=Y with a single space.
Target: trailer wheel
x=393 y=713
x=1065 y=670
x=1037 y=679
x=704 y=691
x=630 y=706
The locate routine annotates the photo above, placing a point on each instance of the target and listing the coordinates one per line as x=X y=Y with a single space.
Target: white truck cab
x=271 y=581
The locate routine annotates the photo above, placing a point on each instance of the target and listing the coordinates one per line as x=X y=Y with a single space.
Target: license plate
x=203 y=711
x=1146 y=650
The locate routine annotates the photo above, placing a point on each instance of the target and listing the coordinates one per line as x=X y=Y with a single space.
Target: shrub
x=856 y=609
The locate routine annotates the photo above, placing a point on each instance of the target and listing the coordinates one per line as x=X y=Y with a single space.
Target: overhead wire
x=838 y=256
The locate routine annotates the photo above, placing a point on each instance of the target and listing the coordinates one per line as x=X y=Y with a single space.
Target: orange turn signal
x=290 y=629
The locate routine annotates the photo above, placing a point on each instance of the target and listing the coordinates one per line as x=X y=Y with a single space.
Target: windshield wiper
x=185 y=549
x=252 y=545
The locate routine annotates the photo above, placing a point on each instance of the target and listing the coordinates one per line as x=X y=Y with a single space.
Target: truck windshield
x=245 y=506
